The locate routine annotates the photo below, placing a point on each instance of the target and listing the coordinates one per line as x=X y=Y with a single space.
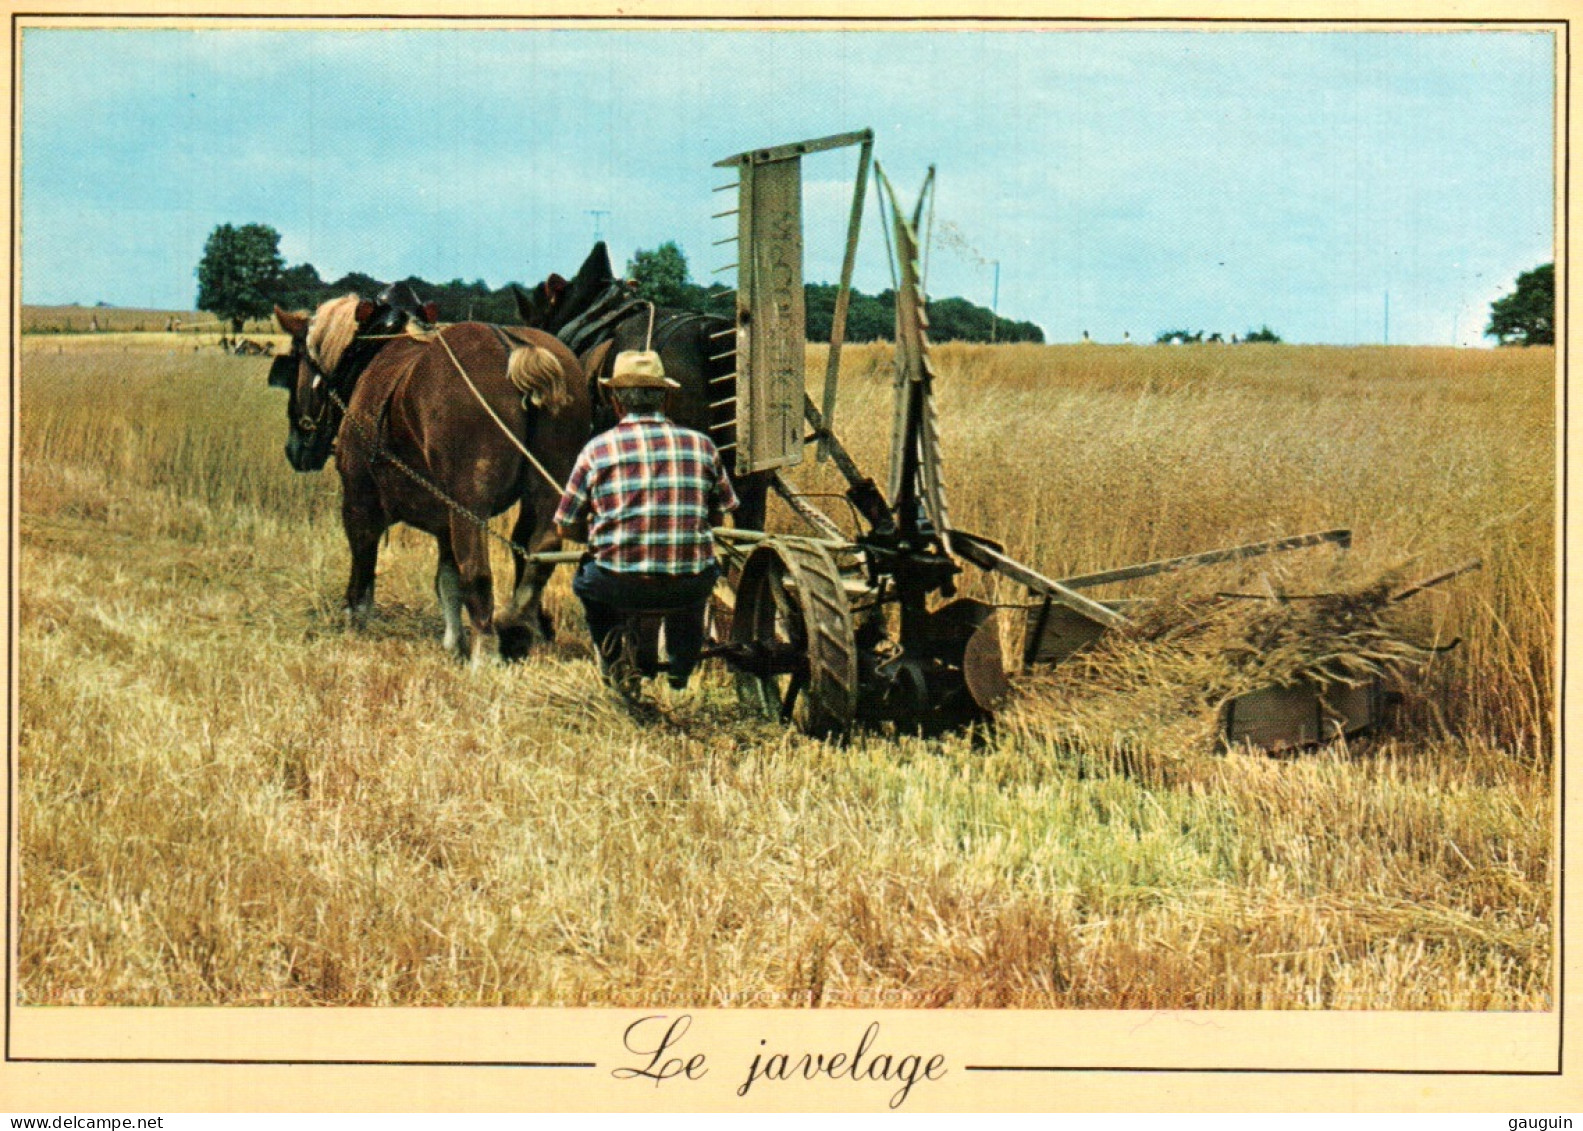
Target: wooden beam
x=1431 y=582
x=1342 y=538
x=844 y=294
x=996 y=562
x=796 y=149
x=843 y=459
x=730 y=535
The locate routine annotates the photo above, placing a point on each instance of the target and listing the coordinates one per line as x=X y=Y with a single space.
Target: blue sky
x=1124 y=180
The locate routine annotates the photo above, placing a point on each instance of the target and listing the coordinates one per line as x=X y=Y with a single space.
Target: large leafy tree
x=1526 y=317
x=661 y=274
x=239 y=274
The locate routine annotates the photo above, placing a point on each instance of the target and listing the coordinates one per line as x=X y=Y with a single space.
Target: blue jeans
x=609 y=595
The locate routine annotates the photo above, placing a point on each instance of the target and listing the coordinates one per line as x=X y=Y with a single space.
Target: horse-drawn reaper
x=829 y=630
x=834 y=629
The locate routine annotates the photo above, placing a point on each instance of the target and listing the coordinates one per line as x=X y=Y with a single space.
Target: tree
x=239 y=274
x=355 y=283
x=300 y=288
x=1526 y=317
x=1262 y=334
x=661 y=274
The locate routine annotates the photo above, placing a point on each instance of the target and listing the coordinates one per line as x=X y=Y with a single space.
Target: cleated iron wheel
x=792 y=610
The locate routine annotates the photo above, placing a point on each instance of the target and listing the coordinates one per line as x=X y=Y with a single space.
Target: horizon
x=1124 y=181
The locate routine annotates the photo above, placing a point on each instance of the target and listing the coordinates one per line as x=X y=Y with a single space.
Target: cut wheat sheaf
x=1162 y=683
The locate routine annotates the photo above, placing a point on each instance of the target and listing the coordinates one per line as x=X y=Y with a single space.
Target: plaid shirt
x=647 y=489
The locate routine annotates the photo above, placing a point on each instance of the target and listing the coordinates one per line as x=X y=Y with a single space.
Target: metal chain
x=381 y=453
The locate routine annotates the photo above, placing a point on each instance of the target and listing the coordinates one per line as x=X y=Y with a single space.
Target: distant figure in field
x=93 y=323
x=1234 y=339
x=1126 y=337
x=1085 y=335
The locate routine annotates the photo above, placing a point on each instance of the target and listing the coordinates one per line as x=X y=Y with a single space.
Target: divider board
x=771 y=317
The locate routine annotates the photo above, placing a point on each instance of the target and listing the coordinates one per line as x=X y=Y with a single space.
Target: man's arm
x=571 y=517
x=722 y=496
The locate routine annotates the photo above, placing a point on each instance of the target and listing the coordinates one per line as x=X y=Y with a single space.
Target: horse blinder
x=283 y=372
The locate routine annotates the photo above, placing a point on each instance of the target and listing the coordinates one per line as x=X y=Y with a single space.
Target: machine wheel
x=792 y=614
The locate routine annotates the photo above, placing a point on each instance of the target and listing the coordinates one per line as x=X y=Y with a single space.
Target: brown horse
x=416 y=446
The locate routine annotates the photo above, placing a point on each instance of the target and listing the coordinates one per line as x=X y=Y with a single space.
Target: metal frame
x=945 y=665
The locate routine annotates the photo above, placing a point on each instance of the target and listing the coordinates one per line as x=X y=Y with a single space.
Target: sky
x=1124 y=181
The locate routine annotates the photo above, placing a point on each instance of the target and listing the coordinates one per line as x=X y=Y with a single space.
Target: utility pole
x=1387 y=317
x=994 y=306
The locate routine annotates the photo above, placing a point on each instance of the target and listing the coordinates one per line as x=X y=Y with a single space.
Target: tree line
x=663 y=277
x=242 y=275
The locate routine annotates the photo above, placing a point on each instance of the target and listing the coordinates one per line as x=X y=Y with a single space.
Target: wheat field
x=224 y=798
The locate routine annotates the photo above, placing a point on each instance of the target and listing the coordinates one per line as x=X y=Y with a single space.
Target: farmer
x=643 y=496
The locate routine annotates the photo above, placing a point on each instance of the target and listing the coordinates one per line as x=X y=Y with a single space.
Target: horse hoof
x=485 y=649
x=516 y=643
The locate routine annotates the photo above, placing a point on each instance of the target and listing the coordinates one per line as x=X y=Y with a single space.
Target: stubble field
x=224 y=798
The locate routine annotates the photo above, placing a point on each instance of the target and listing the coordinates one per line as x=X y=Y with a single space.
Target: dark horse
x=413 y=429
x=598 y=316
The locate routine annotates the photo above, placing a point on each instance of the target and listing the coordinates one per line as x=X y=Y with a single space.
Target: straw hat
x=639 y=369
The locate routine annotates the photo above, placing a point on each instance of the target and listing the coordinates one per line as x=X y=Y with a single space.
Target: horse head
x=401 y=298
x=537 y=308
x=328 y=351
x=555 y=302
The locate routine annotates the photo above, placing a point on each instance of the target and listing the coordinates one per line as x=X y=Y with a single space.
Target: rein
x=311 y=424
x=559 y=488
x=380 y=452
x=319 y=376
x=333 y=395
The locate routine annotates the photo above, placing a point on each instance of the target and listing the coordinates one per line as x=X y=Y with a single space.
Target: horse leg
x=448 y=588
x=477 y=586
x=524 y=623
x=364 y=523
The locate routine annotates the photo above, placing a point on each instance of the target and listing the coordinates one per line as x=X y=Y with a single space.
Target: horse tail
x=539 y=375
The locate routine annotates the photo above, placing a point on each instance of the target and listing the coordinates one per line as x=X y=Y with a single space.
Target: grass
x=75 y=319
x=225 y=799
